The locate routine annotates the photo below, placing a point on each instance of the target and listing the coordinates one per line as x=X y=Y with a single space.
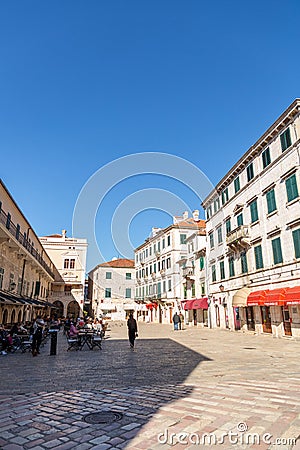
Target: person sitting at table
x=88 y=325
x=97 y=326
x=73 y=330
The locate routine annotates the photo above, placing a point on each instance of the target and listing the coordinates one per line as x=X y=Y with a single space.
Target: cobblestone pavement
x=232 y=386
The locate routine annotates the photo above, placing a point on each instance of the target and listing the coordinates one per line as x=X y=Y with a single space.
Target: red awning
x=151 y=306
x=256 y=298
x=292 y=296
x=275 y=297
x=189 y=304
x=200 y=303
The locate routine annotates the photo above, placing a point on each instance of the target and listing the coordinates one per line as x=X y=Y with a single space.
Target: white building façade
x=253 y=230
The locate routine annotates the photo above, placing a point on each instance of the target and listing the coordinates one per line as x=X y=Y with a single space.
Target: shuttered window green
x=259 y=264
x=277 y=252
x=271 y=201
x=291 y=188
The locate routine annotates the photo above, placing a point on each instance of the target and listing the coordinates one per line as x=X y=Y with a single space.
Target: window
x=66 y=263
x=154 y=267
x=182 y=238
x=18 y=231
x=296 y=239
x=168 y=263
x=201 y=262
x=225 y=196
x=19 y=285
x=169 y=285
x=209 y=212
x=277 y=252
x=271 y=201
x=231 y=266
x=146 y=253
x=163 y=243
x=237 y=186
x=128 y=276
x=244 y=264
x=193 y=290
x=228 y=226
x=128 y=293
x=291 y=188
x=254 y=211
x=158 y=246
x=150 y=251
x=216 y=205
x=202 y=288
x=107 y=292
x=108 y=275
x=1 y=277
x=220 y=236
x=240 y=220
x=184 y=291
x=222 y=270
x=213 y=273
x=250 y=172
x=164 y=286
x=211 y=240
x=8 y=220
x=154 y=249
x=266 y=158
x=168 y=240
x=259 y=264
x=72 y=263
x=285 y=140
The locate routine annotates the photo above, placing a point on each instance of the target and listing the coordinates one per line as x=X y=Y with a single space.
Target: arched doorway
x=59 y=308
x=73 y=310
x=13 y=316
x=5 y=317
x=20 y=316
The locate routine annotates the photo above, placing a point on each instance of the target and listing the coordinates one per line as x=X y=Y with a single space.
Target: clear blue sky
x=85 y=82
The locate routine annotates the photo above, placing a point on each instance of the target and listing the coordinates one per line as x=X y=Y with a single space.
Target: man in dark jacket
x=132 y=330
x=176 y=321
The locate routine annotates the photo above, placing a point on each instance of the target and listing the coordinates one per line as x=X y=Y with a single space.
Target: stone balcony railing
x=239 y=238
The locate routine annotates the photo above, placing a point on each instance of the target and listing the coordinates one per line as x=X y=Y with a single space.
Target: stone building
x=68 y=289
x=253 y=229
x=111 y=289
x=157 y=262
x=26 y=270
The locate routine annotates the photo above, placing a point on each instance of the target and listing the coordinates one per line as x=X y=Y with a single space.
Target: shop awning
x=189 y=304
x=275 y=297
x=200 y=303
x=151 y=306
x=292 y=296
x=256 y=298
x=240 y=297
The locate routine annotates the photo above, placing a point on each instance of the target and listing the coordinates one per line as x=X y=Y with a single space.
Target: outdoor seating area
x=85 y=334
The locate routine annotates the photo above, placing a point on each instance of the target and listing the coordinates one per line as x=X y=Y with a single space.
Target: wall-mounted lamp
x=221 y=287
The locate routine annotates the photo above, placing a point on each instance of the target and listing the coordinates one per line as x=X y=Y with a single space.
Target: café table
x=85 y=338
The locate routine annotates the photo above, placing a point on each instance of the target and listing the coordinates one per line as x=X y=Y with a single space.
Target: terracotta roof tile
x=119 y=263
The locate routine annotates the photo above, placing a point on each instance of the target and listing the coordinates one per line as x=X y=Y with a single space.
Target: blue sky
x=84 y=83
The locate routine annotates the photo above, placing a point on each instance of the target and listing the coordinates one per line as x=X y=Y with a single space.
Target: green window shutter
x=201 y=262
x=231 y=267
x=291 y=188
x=271 y=201
x=228 y=226
x=259 y=264
x=220 y=237
x=222 y=270
x=240 y=220
x=266 y=159
x=253 y=211
x=285 y=140
x=250 y=172
x=244 y=264
x=237 y=184
x=213 y=272
x=277 y=252
x=296 y=239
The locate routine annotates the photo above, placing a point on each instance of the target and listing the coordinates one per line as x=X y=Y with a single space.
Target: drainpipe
x=22 y=279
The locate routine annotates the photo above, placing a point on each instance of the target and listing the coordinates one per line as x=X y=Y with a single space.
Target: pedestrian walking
x=132 y=330
x=176 y=321
x=37 y=336
x=181 y=323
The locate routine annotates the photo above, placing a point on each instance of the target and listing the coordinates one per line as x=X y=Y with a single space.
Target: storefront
x=239 y=305
x=197 y=311
x=275 y=311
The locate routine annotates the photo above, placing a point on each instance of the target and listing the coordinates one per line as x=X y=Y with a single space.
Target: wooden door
x=286 y=321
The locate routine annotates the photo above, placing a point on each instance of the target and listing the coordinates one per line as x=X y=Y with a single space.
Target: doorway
x=286 y=321
x=250 y=318
x=266 y=319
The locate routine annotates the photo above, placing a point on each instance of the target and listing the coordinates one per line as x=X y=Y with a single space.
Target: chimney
x=185 y=215
x=64 y=234
x=196 y=215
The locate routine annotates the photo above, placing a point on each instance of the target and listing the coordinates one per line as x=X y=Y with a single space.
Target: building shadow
x=68 y=387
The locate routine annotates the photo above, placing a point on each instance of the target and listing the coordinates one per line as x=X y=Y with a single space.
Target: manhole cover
x=103 y=417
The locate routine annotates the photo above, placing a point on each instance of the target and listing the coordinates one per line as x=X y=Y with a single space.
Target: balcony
x=188 y=272
x=15 y=231
x=239 y=238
